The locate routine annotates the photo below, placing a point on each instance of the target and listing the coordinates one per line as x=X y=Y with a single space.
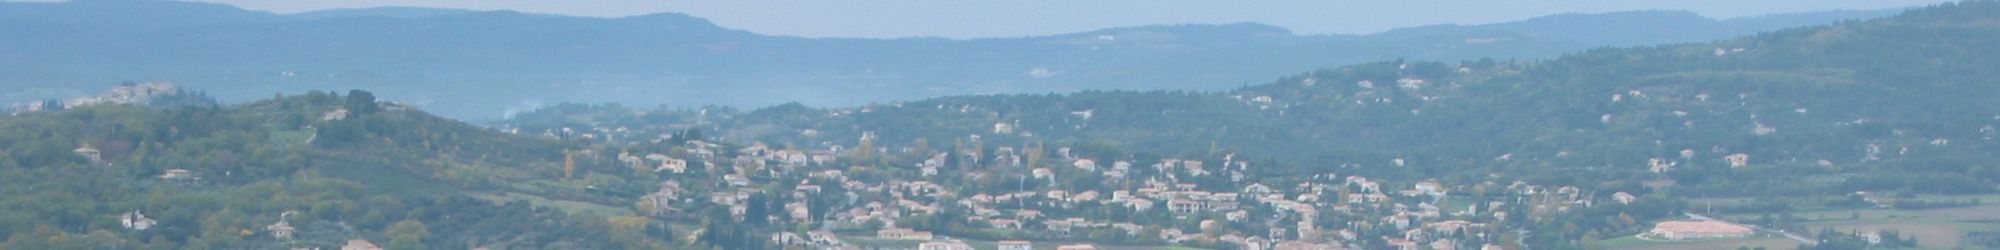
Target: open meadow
x=1938 y=228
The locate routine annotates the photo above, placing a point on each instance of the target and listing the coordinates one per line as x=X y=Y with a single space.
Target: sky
x=1014 y=18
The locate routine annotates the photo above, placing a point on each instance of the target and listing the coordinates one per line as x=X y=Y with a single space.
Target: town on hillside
x=871 y=195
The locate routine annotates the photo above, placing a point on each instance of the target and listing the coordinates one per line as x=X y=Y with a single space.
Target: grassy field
x=1942 y=228
x=1929 y=233
x=1934 y=228
x=1626 y=241
x=571 y=207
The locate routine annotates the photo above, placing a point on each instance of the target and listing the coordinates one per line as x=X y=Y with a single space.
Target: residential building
x=136 y=221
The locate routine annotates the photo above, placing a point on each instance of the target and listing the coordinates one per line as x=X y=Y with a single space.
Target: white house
x=1737 y=160
x=1257 y=189
x=281 y=230
x=96 y=157
x=1624 y=198
x=670 y=164
x=1085 y=164
x=178 y=175
x=136 y=221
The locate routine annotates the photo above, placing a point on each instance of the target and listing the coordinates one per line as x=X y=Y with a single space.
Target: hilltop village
x=837 y=195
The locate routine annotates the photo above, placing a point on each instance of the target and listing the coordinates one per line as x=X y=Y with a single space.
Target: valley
x=1854 y=135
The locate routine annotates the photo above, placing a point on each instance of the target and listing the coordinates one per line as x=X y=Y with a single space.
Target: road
x=1801 y=239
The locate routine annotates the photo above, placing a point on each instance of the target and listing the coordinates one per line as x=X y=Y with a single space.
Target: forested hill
x=473 y=64
x=317 y=170
x=1901 y=103
x=1891 y=103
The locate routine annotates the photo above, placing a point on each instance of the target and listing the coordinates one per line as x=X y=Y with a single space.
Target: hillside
x=1886 y=114
x=1891 y=116
x=315 y=171
x=1910 y=111
x=428 y=57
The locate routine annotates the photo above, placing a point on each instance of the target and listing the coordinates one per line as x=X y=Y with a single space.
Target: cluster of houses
x=130 y=93
x=1422 y=215
x=1367 y=209
x=1205 y=201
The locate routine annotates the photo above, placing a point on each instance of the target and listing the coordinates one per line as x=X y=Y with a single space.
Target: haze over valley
x=519 y=61
x=137 y=124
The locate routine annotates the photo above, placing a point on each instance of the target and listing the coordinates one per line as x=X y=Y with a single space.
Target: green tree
x=871 y=225
x=361 y=102
x=408 y=234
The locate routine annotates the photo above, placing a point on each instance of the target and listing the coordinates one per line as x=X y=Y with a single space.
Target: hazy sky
x=991 y=18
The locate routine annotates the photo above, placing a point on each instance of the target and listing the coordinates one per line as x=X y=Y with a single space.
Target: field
x=571 y=207
x=1981 y=212
x=1934 y=228
x=1929 y=234
x=1942 y=228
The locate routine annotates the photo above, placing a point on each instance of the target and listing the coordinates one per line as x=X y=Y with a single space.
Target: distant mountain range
x=483 y=64
x=1815 y=120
